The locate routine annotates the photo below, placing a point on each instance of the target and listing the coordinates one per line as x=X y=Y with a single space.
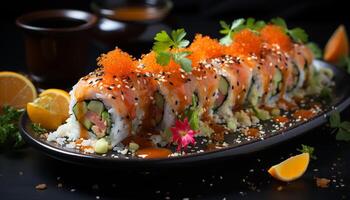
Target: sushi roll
x=228 y=87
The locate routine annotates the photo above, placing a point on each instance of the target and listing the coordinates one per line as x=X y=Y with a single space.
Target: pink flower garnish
x=183 y=134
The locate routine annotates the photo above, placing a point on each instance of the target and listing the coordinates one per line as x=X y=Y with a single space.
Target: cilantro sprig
x=308 y=149
x=9 y=132
x=228 y=30
x=165 y=42
x=342 y=127
x=297 y=34
x=238 y=25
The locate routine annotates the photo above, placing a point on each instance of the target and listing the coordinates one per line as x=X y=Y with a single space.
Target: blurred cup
x=56 y=45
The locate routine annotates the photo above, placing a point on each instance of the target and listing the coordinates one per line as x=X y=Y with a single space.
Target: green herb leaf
x=279 y=22
x=297 y=34
x=316 y=50
x=345 y=126
x=192 y=113
x=229 y=30
x=342 y=135
x=225 y=26
x=186 y=64
x=238 y=25
x=334 y=120
x=38 y=129
x=9 y=132
x=163 y=58
x=308 y=149
x=227 y=40
x=164 y=43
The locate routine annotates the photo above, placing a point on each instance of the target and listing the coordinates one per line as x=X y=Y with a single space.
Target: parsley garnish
x=238 y=25
x=9 y=132
x=308 y=149
x=297 y=34
x=254 y=25
x=315 y=49
x=38 y=129
x=345 y=62
x=228 y=30
x=342 y=128
x=164 y=43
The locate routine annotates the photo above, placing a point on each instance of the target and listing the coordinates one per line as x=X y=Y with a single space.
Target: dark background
x=22 y=170
x=318 y=18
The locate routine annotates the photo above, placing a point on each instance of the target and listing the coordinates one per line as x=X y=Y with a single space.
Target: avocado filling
x=94 y=117
x=295 y=76
x=159 y=103
x=222 y=92
x=253 y=96
x=277 y=82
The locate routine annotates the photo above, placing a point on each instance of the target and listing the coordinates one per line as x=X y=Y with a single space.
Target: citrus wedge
x=337 y=46
x=290 y=169
x=15 y=90
x=50 y=110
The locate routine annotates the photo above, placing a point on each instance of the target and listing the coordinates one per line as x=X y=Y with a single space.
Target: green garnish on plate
x=38 y=129
x=308 y=149
x=342 y=127
x=9 y=132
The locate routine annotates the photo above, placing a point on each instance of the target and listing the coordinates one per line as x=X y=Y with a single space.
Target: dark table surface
x=21 y=170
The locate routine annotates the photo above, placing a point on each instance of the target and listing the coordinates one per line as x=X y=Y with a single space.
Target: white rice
x=71 y=129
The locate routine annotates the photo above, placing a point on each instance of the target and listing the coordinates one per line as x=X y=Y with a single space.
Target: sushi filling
x=93 y=116
x=192 y=112
x=295 y=75
x=222 y=93
x=277 y=83
x=254 y=93
x=159 y=103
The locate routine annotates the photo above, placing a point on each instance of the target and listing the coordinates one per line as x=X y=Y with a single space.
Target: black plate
x=340 y=100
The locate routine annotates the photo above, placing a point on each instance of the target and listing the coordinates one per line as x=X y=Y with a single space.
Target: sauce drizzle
x=153 y=153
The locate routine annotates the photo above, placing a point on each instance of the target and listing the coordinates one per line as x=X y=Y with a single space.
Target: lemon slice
x=15 y=90
x=290 y=169
x=50 y=110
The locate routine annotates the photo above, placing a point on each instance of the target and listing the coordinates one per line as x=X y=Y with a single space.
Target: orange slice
x=337 y=46
x=290 y=169
x=15 y=90
x=50 y=110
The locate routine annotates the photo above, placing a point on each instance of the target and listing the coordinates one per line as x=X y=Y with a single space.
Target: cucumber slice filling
x=222 y=93
x=93 y=116
x=159 y=108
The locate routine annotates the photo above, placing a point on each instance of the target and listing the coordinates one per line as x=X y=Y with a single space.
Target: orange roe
x=117 y=63
x=272 y=34
x=150 y=64
x=203 y=48
x=244 y=43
